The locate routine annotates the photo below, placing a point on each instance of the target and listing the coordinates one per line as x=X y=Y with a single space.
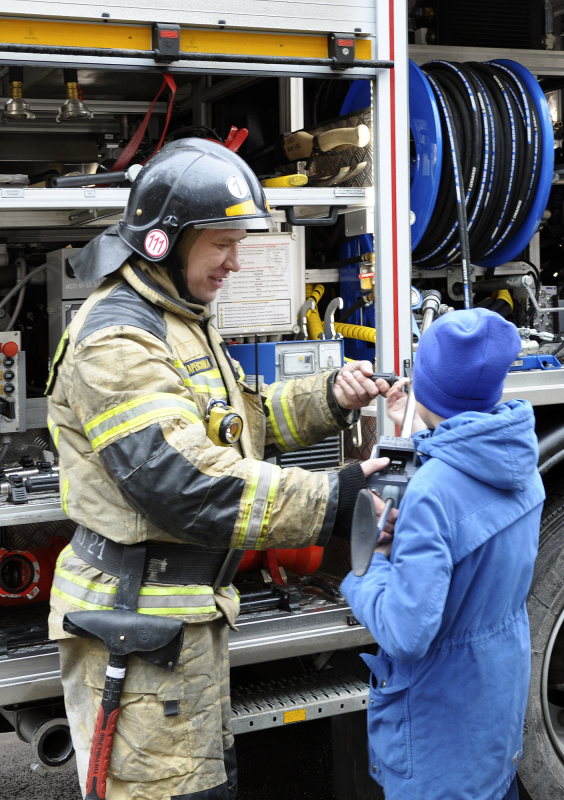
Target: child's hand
x=384 y=543
x=396 y=400
x=385 y=548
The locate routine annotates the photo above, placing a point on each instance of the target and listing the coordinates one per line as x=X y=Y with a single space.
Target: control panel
x=280 y=361
x=12 y=383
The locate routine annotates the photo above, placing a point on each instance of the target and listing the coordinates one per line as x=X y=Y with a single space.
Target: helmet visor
x=249 y=224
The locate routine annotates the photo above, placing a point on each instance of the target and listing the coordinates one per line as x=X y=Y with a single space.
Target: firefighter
x=134 y=387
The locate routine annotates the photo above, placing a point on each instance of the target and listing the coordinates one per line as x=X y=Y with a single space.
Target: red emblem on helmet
x=156 y=243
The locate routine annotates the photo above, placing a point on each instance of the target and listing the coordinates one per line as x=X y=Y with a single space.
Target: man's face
x=209 y=261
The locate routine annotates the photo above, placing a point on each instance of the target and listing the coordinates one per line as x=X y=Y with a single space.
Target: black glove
x=351 y=481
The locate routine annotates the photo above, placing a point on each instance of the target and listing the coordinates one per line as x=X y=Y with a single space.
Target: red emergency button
x=10 y=349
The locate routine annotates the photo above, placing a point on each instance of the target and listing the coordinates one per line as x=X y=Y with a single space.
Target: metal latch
x=165 y=42
x=340 y=47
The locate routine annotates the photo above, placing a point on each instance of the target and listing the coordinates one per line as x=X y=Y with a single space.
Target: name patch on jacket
x=201 y=364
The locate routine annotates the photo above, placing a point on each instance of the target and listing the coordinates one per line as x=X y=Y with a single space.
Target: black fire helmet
x=190 y=183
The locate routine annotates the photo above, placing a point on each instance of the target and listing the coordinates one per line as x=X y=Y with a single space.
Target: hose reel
x=493 y=119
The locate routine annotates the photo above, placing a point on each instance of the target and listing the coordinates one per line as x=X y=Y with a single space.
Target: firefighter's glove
x=351 y=481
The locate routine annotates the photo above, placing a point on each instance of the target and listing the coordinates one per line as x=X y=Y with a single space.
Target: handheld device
x=391 y=482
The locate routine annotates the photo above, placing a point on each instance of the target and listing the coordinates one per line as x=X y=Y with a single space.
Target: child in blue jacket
x=448 y=608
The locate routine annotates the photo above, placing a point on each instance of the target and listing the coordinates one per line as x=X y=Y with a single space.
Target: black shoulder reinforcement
x=124 y=306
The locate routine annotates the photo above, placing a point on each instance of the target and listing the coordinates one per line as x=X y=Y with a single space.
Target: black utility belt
x=166 y=562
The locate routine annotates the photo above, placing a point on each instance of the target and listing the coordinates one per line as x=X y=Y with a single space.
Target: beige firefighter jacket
x=129 y=389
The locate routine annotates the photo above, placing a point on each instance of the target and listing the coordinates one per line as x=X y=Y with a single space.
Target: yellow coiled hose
x=315 y=324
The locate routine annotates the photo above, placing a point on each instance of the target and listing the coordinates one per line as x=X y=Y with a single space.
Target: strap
x=135 y=140
x=131 y=577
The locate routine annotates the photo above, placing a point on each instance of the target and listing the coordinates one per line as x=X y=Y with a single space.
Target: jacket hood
x=499 y=448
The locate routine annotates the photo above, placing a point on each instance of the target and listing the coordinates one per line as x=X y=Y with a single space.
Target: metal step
x=261 y=705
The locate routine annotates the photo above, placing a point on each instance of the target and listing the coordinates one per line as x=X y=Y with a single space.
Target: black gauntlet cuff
x=351 y=481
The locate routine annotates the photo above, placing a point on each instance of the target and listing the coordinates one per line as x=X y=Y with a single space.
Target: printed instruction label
x=260 y=296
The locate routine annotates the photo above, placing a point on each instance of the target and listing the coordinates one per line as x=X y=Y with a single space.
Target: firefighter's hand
x=353 y=387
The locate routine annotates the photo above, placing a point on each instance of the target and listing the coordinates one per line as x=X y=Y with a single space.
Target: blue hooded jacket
x=449 y=684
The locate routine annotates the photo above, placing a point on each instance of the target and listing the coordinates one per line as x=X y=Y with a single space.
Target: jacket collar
x=154 y=283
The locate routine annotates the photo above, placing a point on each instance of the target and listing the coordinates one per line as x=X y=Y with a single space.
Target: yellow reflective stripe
x=169 y=399
x=247 y=511
x=231 y=592
x=258 y=506
x=180 y=366
x=211 y=379
x=76 y=602
x=91 y=585
x=281 y=417
x=272 y=418
x=180 y=610
x=288 y=416
x=152 y=599
x=139 y=422
x=146 y=591
x=64 y=496
x=273 y=488
x=59 y=352
x=161 y=405
x=214 y=391
x=54 y=431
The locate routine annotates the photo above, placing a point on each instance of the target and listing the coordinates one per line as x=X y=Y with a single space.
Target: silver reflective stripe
x=87 y=597
x=256 y=518
x=208 y=382
x=152 y=599
x=230 y=592
x=176 y=601
x=202 y=381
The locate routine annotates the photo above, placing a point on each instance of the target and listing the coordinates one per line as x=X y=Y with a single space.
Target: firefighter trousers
x=173 y=738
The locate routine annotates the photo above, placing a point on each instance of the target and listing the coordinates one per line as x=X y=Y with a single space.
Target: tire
x=541 y=771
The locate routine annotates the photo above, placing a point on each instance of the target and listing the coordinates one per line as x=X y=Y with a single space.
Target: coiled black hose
x=493 y=149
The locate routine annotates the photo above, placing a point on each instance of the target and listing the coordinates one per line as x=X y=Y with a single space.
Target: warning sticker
x=298 y=715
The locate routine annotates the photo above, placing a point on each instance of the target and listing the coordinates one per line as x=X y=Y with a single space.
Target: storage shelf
x=21 y=207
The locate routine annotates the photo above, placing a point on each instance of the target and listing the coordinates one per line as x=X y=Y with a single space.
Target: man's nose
x=232 y=262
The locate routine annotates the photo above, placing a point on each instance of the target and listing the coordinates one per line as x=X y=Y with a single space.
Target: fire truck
x=404 y=148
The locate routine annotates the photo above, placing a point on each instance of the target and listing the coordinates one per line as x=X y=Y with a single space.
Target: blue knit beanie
x=462 y=360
